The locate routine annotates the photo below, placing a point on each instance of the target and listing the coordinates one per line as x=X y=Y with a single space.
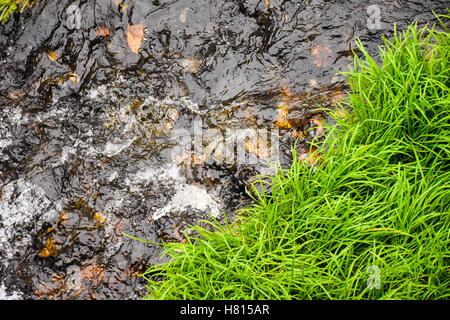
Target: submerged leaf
x=52 y=55
x=135 y=36
x=103 y=31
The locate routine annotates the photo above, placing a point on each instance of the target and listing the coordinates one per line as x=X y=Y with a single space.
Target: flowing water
x=145 y=117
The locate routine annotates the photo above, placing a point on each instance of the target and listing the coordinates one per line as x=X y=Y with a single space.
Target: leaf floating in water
x=49 y=248
x=74 y=77
x=52 y=55
x=103 y=31
x=16 y=95
x=135 y=36
x=98 y=216
x=190 y=65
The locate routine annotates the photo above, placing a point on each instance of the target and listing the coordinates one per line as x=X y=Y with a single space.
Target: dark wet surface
x=89 y=128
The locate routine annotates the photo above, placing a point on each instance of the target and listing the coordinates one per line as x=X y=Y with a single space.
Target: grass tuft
x=7 y=7
x=379 y=200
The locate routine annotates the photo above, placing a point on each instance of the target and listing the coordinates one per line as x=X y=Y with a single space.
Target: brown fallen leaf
x=321 y=54
x=52 y=55
x=190 y=65
x=337 y=95
x=320 y=125
x=93 y=273
x=135 y=36
x=102 y=31
x=16 y=95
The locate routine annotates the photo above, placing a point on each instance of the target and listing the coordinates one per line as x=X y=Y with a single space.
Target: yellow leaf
x=281 y=121
x=74 y=77
x=98 y=216
x=52 y=55
x=48 y=249
x=135 y=35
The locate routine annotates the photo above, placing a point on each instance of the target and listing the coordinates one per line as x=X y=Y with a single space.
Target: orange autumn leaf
x=52 y=55
x=103 y=31
x=48 y=249
x=320 y=125
x=322 y=55
x=135 y=35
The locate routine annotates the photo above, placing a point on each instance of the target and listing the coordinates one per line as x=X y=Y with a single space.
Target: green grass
x=379 y=197
x=7 y=7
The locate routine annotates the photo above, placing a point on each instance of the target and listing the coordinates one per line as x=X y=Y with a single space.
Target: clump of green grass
x=379 y=197
x=7 y=7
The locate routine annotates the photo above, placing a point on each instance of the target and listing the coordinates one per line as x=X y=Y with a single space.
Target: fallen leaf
x=321 y=54
x=102 y=31
x=135 y=36
x=48 y=249
x=74 y=77
x=98 y=216
x=190 y=65
x=52 y=55
x=281 y=120
x=16 y=95
x=320 y=125
x=337 y=95
x=93 y=273
x=268 y=3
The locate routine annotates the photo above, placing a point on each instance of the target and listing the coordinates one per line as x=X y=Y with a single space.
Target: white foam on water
x=15 y=295
x=186 y=195
x=112 y=149
x=190 y=196
x=23 y=203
